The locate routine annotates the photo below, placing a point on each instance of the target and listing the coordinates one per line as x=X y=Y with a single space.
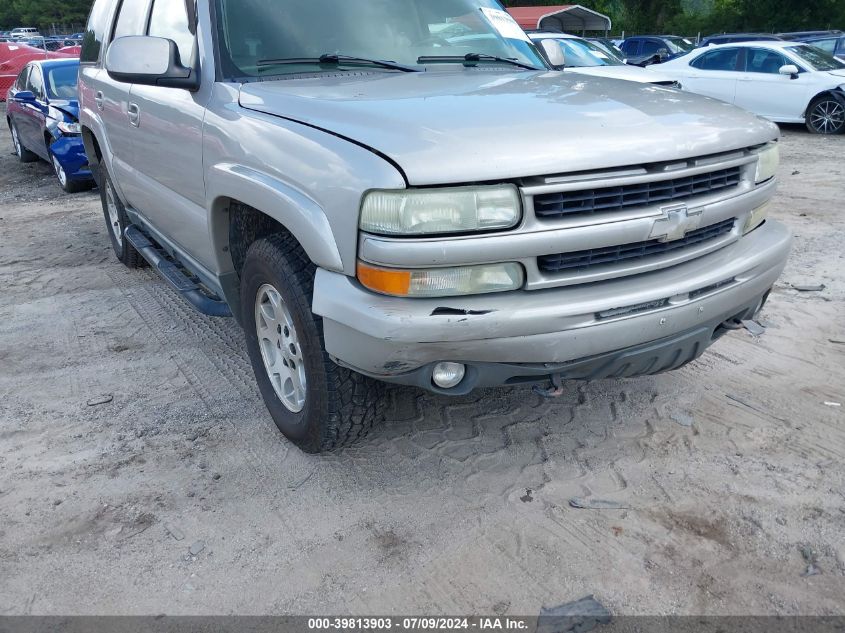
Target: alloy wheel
x=280 y=348
x=114 y=214
x=60 y=172
x=16 y=141
x=828 y=117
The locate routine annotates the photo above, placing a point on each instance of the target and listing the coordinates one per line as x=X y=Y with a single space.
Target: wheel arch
x=93 y=151
x=246 y=203
x=836 y=93
x=247 y=206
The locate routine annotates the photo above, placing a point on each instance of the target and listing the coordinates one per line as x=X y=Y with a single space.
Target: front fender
x=295 y=210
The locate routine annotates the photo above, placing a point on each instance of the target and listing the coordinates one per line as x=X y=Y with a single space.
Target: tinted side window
x=723 y=59
x=20 y=84
x=132 y=19
x=828 y=46
x=92 y=41
x=36 y=82
x=629 y=47
x=170 y=20
x=759 y=60
x=650 y=47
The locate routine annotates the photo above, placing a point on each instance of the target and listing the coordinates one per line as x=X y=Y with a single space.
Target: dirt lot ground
x=179 y=496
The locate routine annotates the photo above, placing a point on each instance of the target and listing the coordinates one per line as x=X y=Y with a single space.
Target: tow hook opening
x=554 y=391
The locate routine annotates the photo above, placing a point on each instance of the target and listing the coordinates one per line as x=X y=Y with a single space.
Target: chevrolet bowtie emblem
x=676 y=222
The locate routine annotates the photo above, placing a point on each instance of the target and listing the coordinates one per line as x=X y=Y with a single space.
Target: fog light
x=448 y=375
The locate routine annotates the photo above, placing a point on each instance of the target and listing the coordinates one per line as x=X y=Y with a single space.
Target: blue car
x=42 y=111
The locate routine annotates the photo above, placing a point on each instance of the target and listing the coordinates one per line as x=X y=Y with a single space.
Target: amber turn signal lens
x=391 y=282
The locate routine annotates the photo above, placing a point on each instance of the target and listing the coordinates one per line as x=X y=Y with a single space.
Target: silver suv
x=402 y=191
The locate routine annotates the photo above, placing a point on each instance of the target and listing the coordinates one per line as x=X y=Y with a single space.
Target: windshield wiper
x=473 y=58
x=336 y=59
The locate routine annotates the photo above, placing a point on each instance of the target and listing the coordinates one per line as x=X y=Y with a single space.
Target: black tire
x=68 y=185
x=826 y=115
x=124 y=251
x=23 y=154
x=340 y=406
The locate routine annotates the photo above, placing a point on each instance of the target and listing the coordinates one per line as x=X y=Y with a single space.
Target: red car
x=13 y=57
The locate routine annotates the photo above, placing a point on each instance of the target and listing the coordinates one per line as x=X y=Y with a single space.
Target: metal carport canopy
x=565 y=17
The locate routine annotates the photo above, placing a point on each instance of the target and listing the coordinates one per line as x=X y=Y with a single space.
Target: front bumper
x=70 y=151
x=524 y=335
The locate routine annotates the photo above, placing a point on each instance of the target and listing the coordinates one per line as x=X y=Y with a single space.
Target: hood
x=70 y=108
x=837 y=73
x=625 y=71
x=475 y=125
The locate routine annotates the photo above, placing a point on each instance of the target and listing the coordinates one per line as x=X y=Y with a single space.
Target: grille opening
x=608 y=199
x=584 y=260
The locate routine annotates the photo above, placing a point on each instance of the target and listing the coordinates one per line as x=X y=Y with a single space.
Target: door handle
x=134 y=113
x=98 y=99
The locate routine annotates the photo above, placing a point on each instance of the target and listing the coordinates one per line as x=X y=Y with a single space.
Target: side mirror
x=554 y=53
x=663 y=52
x=789 y=69
x=149 y=61
x=25 y=96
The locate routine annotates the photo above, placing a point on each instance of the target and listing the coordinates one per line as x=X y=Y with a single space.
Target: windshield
x=678 y=45
x=584 y=54
x=254 y=32
x=610 y=48
x=816 y=58
x=61 y=82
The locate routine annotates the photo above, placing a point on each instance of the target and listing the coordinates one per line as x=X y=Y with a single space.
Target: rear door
x=166 y=140
x=33 y=116
x=112 y=97
x=14 y=108
x=764 y=91
x=715 y=73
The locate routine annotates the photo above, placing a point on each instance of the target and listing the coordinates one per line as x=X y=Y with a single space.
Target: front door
x=764 y=91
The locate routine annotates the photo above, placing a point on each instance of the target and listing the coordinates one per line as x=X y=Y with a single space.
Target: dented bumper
x=580 y=331
x=70 y=151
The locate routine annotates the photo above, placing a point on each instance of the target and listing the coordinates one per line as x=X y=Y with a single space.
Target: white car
x=786 y=82
x=586 y=58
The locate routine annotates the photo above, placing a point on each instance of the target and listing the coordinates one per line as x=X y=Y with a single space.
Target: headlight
x=432 y=211
x=768 y=161
x=69 y=128
x=757 y=217
x=442 y=282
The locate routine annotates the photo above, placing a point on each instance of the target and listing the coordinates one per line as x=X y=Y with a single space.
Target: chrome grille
x=584 y=260
x=609 y=199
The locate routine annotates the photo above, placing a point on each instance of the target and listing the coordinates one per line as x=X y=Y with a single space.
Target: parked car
x=831 y=44
x=787 y=82
x=14 y=56
x=42 y=112
x=486 y=222
x=586 y=58
x=730 y=38
x=798 y=35
x=644 y=50
x=24 y=33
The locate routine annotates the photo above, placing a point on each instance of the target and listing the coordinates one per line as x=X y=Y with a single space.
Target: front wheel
x=316 y=404
x=69 y=186
x=826 y=115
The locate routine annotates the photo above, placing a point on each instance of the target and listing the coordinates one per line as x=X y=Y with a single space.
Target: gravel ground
x=179 y=496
